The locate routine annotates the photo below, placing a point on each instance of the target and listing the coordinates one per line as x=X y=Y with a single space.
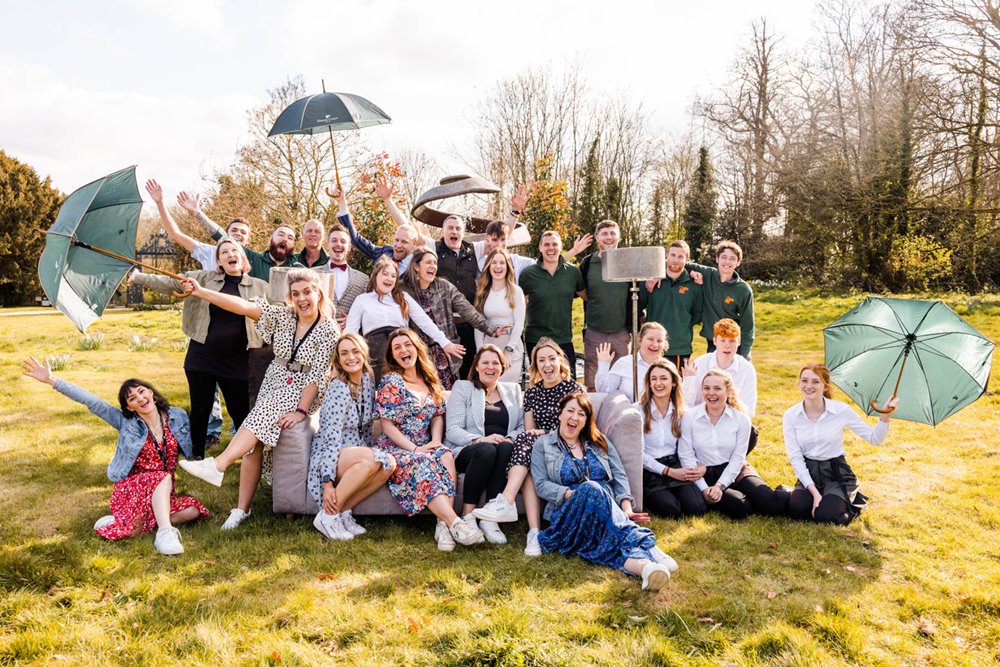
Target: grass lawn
x=916 y=580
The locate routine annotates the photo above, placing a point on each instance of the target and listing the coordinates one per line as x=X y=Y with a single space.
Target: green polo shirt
x=550 y=297
x=261 y=263
x=732 y=299
x=607 y=303
x=676 y=304
x=300 y=258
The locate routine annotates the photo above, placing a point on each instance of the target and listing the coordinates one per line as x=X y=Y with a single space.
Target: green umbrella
x=89 y=248
x=868 y=348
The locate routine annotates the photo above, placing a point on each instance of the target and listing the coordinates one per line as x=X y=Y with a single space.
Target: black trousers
x=747 y=496
x=485 y=468
x=201 y=387
x=832 y=508
x=467 y=339
x=674 y=502
x=260 y=359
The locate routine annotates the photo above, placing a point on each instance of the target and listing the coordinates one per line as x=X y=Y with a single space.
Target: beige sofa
x=616 y=418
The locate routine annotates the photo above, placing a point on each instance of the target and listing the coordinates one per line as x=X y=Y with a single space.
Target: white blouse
x=371 y=311
x=618 y=376
x=744 y=379
x=498 y=312
x=823 y=439
x=660 y=441
x=519 y=262
x=714 y=444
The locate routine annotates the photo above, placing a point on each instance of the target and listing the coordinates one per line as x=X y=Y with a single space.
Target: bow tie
x=334 y=267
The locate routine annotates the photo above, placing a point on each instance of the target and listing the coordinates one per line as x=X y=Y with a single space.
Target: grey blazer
x=357 y=284
x=466 y=415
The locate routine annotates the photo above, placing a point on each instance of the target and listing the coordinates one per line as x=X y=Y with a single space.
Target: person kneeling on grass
x=343 y=468
x=579 y=473
x=142 y=468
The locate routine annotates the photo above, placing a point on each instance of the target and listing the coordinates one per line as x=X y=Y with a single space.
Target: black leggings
x=749 y=495
x=485 y=468
x=201 y=387
x=832 y=508
x=684 y=500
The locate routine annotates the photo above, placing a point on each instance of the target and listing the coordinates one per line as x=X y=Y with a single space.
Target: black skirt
x=835 y=477
x=651 y=482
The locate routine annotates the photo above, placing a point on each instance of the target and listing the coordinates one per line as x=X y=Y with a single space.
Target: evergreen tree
x=700 y=208
x=27 y=204
x=589 y=202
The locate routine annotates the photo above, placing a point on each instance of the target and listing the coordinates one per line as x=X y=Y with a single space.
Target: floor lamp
x=634 y=265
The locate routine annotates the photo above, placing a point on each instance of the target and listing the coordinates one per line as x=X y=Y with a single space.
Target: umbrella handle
x=329 y=194
x=169 y=274
x=882 y=411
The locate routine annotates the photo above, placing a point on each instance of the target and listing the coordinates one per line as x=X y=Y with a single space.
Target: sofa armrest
x=621 y=422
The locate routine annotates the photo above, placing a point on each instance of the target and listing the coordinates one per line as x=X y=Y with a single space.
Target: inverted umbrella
x=921 y=350
x=327 y=112
x=89 y=248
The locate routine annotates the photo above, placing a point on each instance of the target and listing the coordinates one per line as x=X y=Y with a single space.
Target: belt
x=294 y=366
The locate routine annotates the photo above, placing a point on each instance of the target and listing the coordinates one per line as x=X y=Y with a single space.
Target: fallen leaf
x=412 y=624
x=276 y=657
x=103 y=596
x=926 y=627
x=901 y=458
x=818 y=609
x=855 y=454
x=966 y=600
x=209 y=561
x=772 y=545
x=638 y=619
x=325 y=576
x=771 y=595
x=850 y=568
x=706 y=619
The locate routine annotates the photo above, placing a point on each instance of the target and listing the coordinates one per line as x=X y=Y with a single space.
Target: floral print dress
x=419 y=476
x=591 y=524
x=131 y=498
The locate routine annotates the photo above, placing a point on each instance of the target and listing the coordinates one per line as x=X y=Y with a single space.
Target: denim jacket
x=132 y=431
x=546 y=461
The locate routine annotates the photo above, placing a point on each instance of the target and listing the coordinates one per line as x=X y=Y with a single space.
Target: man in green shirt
x=312 y=253
x=676 y=303
x=606 y=306
x=725 y=294
x=550 y=285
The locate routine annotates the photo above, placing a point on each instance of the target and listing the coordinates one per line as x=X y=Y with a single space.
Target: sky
x=87 y=88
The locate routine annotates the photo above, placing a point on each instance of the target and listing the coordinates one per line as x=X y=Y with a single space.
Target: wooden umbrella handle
x=895 y=390
x=882 y=411
x=169 y=274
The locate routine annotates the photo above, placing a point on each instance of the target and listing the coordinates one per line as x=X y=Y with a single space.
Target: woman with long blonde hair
x=501 y=301
x=668 y=488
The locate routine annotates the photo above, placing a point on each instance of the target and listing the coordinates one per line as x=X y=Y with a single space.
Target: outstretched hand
x=154 y=190
x=582 y=243
x=605 y=353
x=38 y=370
x=454 y=350
x=383 y=188
x=689 y=370
x=188 y=287
x=520 y=198
x=190 y=203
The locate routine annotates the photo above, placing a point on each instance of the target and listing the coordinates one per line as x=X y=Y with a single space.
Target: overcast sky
x=90 y=87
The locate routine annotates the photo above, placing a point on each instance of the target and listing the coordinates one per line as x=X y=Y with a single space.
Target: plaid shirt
x=445 y=301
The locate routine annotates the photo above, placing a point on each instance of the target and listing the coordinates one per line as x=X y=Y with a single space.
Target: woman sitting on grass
x=149 y=434
x=827 y=488
x=716 y=433
x=579 y=473
x=668 y=489
x=410 y=403
x=343 y=468
x=302 y=334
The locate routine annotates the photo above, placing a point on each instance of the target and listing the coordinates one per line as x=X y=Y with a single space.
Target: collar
x=701 y=412
x=655 y=412
x=799 y=409
x=713 y=362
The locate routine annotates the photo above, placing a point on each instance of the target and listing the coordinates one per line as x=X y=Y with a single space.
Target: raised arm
x=363 y=245
x=233 y=304
x=192 y=204
x=605 y=381
x=42 y=372
x=169 y=224
x=386 y=191
x=153 y=282
x=579 y=245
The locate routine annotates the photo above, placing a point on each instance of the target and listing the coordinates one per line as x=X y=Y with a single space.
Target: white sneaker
x=332 y=527
x=104 y=521
x=531 y=547
x=491 y=530
x=663 y=559
x=654 y=576
x=464 y=533
x=498 y=510
x=168 y=541
x=236 y=517
x=204 y=470
x=443 y=536
x=352 y=526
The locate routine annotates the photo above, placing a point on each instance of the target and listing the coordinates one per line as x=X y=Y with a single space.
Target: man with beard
x=312 y=254
x=676 y=303
x=606 y=311
x=349 y=283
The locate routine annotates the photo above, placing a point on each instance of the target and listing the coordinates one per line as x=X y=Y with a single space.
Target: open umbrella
x=89 y=248
x=921 y=350
x=327 y=112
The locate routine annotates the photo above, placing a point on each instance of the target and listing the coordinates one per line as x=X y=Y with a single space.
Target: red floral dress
x=131 y=498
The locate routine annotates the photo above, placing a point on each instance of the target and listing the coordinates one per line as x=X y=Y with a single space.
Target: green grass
x=915 y=581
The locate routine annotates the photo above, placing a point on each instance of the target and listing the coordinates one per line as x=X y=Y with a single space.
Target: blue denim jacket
x=546 y=462
x=132 y=431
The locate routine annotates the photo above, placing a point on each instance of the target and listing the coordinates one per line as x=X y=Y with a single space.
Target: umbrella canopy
x=867 y=350
x=104 y=214
x=328 y=111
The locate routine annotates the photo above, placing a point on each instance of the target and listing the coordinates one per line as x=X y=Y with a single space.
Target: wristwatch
x=723 y=487
x=509 y=348
x=327 y=478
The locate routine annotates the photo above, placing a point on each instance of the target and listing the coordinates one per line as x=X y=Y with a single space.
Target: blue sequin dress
x=591 y=524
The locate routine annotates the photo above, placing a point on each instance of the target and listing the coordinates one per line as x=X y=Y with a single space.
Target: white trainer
x=236 y=517
x=204 y=470
x=663 y=559
x=464 y=533
x=104 y=521
x=531 y=547
x=654 y=576
x=168 y=541
x=499 y=510
x=443 y=536
x=491 y=530
x=352 y=526
x=332 y=526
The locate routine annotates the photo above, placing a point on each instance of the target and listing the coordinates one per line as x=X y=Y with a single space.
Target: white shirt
x=519 y=261
x=714 y=444
x=744 y=379
x=370 y=312
x=340 y=280
x=823 y=439
x=204 y=254
x=498 y=312
x=618 y=377
x=660 y=441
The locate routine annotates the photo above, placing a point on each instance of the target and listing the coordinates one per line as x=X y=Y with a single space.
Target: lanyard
x=583 y=472
x=296 y=346
x=157 y=444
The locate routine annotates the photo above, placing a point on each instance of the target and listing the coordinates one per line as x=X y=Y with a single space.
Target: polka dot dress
x=543 y=403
